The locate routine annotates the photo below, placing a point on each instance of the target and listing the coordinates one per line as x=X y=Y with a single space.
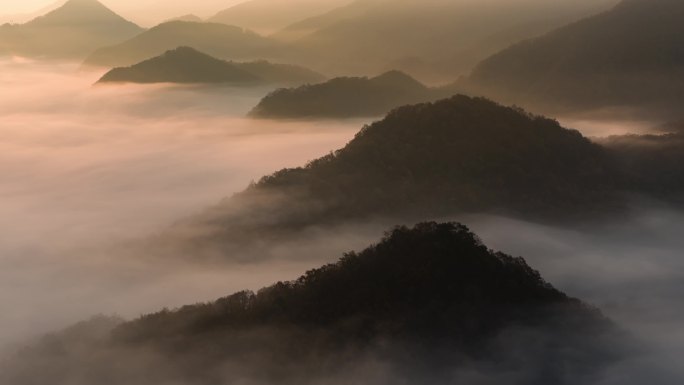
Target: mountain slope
x=652 y=164
x=418 y=307
x=268 y=16
x=71 y=31
x=346 y=98
x=450 y=157
x=187 y=65
x=218 y=40
x=370 y=35
x=630 y=55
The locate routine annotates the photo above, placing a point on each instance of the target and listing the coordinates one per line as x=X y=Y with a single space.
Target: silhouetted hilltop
x=218 y=40
x=346 y=97
x=631 y=55
x=182 y=65
x=187 y=65
x=434 y=160
x=71 y=31
x=418 y=307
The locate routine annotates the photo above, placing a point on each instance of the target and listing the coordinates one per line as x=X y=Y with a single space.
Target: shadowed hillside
x=218 y=40
x=346 y=98
x=454 y=156
x=71 y=31
x=427 y=304
x=187 y=65
x=632 y=55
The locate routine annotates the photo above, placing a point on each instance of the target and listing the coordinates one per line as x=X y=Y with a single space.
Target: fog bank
x=83 y=168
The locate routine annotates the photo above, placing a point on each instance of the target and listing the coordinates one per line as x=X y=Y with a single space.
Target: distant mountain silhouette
x=632 y=55
x=450 y=36
x=190 y=17
x=417 y=307
x=71 y=31
x=187 y=65
x=218 y=40
x=268 y=16
x=346 y=97
x=434 y=160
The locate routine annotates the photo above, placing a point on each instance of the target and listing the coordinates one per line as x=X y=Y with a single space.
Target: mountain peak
x=183 y=51
x=75 y=12
x=397 y=78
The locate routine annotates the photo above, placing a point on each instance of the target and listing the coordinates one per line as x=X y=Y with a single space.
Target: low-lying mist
x=84 y=169
x=632 y=270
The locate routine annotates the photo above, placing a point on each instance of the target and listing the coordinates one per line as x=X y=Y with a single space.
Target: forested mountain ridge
x=431 y=160
x=422 y=304
x=187 y=65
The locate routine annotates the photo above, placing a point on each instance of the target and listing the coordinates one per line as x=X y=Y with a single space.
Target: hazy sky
x=142 y=11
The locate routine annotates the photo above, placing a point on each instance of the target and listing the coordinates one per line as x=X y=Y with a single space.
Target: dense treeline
x=419 y=305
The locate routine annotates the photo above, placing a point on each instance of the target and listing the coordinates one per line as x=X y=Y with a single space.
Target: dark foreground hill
x=187 y=65
x=71 y=31
x=218 y=40
x=425 y=305
x=346 y=97
x=632 y=55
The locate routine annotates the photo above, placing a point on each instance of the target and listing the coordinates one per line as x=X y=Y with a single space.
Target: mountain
x=651 y=164
x=434 y=160
x=631 y=55
x=187 y=65
x=71 y=31
x=450 y=35
x=346 y=97
x=429 y=304
x=189 y=17
x=268 y=16
x=218 y=40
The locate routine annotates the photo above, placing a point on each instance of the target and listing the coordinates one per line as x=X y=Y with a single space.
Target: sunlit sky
x=145 y=12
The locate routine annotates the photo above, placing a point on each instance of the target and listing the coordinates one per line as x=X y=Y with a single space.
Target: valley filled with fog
x=83 y=168
x=86 y=169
